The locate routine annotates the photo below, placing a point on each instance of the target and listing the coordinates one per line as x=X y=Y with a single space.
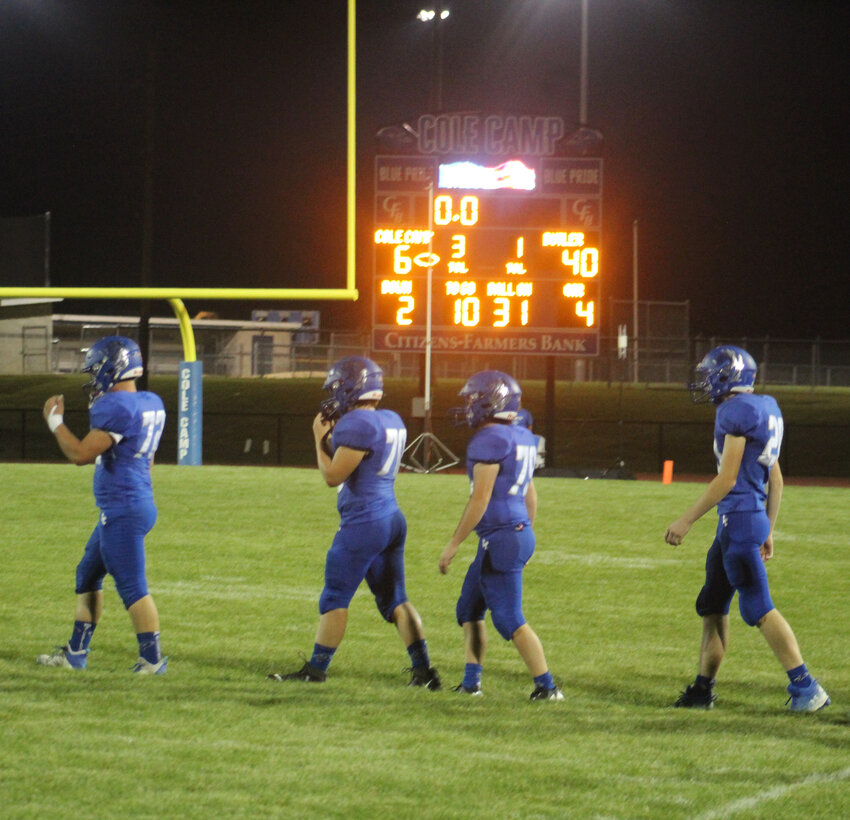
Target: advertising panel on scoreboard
x=509 y=246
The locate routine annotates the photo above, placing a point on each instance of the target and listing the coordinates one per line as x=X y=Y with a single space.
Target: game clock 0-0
x=513 y=267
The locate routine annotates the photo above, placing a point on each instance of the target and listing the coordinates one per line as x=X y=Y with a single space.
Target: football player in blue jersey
x=747 y=491
x=524 y=418
x=500 y=461
x=125 y=428
x=359 y=450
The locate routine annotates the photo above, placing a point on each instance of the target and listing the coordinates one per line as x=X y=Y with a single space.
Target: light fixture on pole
x=435 y=16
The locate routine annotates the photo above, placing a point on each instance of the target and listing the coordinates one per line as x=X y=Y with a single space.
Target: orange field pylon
x=667 y=475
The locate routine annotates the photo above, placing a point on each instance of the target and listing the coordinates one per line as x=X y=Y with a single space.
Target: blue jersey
x=369 y=492
x=759 y=420
x=122 y=474
x=514 y=449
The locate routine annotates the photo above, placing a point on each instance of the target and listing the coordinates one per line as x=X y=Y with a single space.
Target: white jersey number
x=526 y=455
x=396 y=439
x=775 y=426
x=152 y=422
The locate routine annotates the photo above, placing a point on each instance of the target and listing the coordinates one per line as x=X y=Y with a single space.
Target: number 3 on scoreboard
x=402 y=316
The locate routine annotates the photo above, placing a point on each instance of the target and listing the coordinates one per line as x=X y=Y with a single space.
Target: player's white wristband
x=54 y=419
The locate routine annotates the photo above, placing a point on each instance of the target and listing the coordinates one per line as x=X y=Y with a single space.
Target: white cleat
x=807 y=698
x=144 y=667
x=64 y=658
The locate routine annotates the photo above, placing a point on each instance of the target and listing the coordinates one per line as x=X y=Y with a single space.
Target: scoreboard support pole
x=551 y=458
x=427 y=453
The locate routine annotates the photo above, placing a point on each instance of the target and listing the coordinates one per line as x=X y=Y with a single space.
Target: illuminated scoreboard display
x=512 y=248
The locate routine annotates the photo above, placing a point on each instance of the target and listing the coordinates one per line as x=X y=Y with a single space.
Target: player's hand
x=446 y=558
x=54 y=405
x=676 y=532
x=766 y=549
x=321 y=427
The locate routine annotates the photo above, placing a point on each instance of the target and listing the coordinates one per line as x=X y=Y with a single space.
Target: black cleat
x=696 y=698
x=427 y=677
x=307 y=673
x=542 y=693
x=469 y=690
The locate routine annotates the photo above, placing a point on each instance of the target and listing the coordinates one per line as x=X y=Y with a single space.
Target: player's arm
x=775 y=485
x=339 y=466
x=718 y=488
x=483 y=481
x=76 y=451
x=531 y=502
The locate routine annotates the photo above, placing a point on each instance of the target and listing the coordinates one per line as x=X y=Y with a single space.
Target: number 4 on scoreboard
x=586 y=312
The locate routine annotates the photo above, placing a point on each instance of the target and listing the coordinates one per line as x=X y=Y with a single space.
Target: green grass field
x=235 y=564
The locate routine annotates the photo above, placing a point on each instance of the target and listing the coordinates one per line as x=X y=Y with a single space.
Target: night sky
x=724 y=127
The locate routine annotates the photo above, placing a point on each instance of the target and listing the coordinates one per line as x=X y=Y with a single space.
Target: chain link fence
x=59 y=347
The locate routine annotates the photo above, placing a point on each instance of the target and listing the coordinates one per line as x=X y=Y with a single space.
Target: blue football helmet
x=524 y=418
x=724 y=370
x=490 y=395
x=350 y=380
x=110 y=360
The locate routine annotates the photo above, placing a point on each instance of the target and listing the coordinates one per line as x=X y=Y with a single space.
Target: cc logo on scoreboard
x=426 y=260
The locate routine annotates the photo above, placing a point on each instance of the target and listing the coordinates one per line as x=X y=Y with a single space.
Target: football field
x=235 y=564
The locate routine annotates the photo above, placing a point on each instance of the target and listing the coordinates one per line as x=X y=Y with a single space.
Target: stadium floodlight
x=426 y=15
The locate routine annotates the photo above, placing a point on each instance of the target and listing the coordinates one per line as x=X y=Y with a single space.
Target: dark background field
x=597 y=427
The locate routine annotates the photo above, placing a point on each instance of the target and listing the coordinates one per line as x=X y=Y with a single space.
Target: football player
x=500 y=461
x=524 y=418
x=359 y=450
x=126 y=425
x=747 y=491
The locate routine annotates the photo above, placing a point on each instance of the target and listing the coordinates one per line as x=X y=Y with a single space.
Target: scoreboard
x=510 y=251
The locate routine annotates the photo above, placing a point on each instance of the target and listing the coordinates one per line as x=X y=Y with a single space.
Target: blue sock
x=149 y=646
x=545 y=680
x=471 y=675
x=81 y=636
x=702 y=682
x=321 y=657
x=800 y=676
x=418 y=652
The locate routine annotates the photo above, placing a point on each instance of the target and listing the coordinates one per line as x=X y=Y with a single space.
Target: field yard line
x=229 y=591
x=772 y=794
x=555 y=556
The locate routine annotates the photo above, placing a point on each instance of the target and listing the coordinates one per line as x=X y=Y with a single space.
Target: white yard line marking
x=773 y=794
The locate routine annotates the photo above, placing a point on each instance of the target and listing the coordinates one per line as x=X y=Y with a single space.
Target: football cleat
x=695 y=698
x=807 y=698
x=469 y=690
x=427 y=677
x=307 y=673
x=63 y=658
x=144 y=667
x=542 y=693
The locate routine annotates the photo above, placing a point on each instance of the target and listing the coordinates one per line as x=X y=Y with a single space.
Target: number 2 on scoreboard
x=402 y=316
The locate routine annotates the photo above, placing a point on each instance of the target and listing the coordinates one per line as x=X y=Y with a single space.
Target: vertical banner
x=190 y=414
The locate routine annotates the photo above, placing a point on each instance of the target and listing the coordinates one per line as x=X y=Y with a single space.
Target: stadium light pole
x=635 y=293
x=435 y=16
x=582 y=108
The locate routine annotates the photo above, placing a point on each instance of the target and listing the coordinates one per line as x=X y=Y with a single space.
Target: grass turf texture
x=235 y=564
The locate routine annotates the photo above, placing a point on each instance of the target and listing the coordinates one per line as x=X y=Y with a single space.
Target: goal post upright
x=190 y=373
